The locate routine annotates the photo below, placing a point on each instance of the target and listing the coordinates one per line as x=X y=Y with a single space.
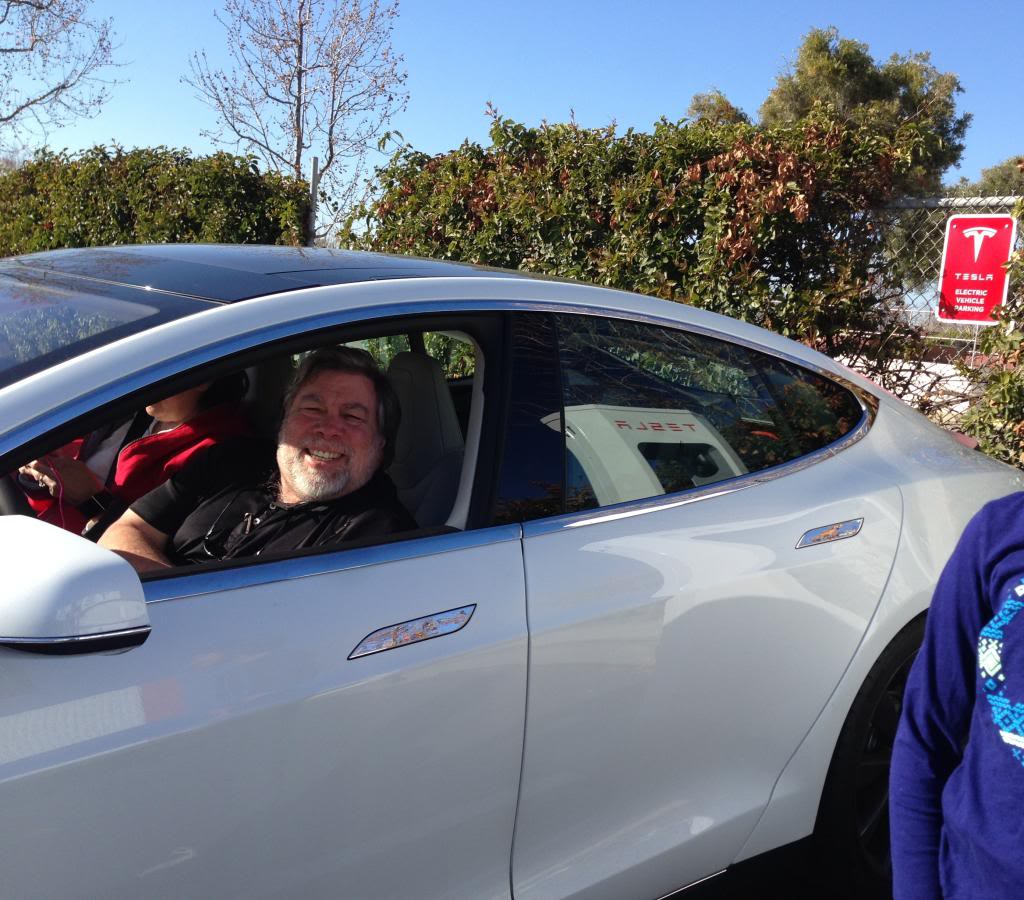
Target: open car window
x=435 y=376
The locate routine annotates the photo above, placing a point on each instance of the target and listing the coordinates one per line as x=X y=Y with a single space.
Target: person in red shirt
x=93 y=479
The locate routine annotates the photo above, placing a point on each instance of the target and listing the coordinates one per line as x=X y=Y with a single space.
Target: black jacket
x=224 y=505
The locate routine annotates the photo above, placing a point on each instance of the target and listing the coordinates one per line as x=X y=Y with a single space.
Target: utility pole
x=314 y=183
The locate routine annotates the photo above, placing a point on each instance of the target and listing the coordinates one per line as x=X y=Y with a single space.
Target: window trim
x=74 y=414
x=70 y=419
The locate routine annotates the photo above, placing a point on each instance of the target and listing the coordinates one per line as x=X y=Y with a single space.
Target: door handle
x=414 y=631
x=837 y=531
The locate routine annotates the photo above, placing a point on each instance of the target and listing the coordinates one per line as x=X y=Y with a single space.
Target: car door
x=241 y=752
x=345 y=723
x=682 y=644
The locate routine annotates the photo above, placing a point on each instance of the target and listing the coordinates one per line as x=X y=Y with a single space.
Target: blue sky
x=605 y=61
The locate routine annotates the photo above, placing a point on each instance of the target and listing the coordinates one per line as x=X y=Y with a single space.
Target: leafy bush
x=113 y=196
x=765 y=224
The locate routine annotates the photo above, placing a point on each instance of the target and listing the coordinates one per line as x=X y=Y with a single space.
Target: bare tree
x=50 y=57
x=309 y=77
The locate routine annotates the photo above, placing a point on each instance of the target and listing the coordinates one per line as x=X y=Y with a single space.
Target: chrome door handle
x=414 y=631
x=837 y=531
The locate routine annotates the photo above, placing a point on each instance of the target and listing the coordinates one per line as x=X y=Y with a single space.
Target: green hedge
x=113 y=196
x=771 y=225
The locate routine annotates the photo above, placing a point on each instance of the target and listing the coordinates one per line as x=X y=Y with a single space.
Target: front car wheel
x=852 y=830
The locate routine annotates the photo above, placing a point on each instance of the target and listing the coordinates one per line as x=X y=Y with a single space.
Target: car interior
x=437 y=413
x=437 y=376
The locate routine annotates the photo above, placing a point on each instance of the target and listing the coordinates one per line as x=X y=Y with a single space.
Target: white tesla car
x=670 y=572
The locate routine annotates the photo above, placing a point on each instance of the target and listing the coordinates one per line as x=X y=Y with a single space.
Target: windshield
x=46 y=321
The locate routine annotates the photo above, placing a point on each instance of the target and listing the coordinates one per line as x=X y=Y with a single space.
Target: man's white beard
x=311 y=485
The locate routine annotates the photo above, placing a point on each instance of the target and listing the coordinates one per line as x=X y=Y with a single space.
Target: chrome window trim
x=336 y=319
x=195 y=581
x=207 y=354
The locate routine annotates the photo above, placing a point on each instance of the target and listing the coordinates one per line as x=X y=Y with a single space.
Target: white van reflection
x=628 y=452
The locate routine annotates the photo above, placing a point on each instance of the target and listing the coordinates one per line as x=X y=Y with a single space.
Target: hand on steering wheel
x=70 y=479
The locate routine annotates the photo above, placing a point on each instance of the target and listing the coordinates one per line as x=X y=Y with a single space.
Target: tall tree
x=842 y=75
x=51 y=57
x=1005 y=179
x=309 y=78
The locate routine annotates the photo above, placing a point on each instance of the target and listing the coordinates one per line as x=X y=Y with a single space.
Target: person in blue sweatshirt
x=957 y=778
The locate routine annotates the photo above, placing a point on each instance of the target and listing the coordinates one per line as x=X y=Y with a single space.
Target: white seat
x=429 y=447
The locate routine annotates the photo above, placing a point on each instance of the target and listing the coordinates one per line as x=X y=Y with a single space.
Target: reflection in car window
x=44 y=324
x=651 y=410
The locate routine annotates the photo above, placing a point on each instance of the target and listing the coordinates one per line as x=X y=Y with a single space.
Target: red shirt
x=149 y=461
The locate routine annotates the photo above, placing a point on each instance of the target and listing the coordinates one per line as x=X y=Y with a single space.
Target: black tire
x=852 y=830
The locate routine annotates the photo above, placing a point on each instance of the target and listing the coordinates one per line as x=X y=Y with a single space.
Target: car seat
x=262 y=401
x=430 y=445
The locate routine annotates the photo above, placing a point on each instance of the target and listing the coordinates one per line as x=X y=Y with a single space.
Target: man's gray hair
x=356 y=362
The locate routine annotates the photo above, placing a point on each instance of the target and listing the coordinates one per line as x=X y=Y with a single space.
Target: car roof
x=227 y=273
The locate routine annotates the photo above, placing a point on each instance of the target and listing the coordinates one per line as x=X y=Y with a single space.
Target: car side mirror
x=65 y=595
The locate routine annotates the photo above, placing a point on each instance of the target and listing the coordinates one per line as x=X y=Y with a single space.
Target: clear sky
x=540 y=59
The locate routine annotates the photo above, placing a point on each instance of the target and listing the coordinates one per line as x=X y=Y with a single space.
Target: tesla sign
x=973 y=281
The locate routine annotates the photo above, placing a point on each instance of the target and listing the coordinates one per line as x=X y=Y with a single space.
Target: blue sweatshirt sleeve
x=936 y=716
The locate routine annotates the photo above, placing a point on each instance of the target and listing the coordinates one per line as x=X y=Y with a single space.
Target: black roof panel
x=230 y=272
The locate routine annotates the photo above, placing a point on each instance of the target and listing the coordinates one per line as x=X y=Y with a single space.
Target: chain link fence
x=913 y=233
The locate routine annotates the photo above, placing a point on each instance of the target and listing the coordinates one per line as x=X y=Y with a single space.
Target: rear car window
x=651 y=410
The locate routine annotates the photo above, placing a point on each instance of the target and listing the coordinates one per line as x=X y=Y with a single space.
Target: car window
x=42 y=324
x=441 y=413
x=531 y=482
x=651 y=410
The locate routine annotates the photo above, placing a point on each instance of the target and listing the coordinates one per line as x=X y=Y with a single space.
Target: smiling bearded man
x=328 y=486
x=330 y=443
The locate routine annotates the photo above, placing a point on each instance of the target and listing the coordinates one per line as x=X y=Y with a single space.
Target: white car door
x=678 y=656
x=247 y=749
x=680 y=646
x=240 y=752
